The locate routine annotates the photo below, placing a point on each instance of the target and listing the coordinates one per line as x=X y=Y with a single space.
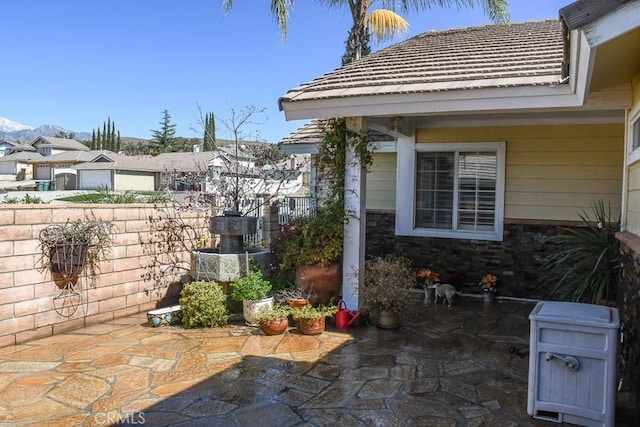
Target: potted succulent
x=73 y=247
x=311 y=248
x=387 y=284
x=254 y=291
x=273 y=320
x=311 y=318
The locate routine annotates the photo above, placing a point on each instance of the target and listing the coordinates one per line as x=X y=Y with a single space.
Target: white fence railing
x=288 y=208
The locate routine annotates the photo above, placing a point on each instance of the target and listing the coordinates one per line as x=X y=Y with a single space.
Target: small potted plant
x=489 y=286
x=73 y=247
x=273 y=320
x=294 y=296
x=387 y=284
x=311 y=318
x=429 y=279
x=254 y=291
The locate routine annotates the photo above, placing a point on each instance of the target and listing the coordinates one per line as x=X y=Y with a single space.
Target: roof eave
x=298 y=148
x=486 y=99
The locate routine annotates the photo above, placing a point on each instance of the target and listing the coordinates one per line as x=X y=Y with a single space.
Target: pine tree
x=164 y=140
x=209 y=132
x=106 y=140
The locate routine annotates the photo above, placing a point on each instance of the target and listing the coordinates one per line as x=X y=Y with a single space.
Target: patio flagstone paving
x=443 y=367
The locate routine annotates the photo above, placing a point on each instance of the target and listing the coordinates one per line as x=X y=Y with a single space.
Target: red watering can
x=344 y=316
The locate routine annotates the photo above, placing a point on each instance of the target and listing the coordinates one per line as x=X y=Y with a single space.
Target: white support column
x=354 y=229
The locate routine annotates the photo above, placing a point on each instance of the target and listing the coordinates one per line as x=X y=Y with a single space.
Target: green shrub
x=252 y=287
x=203 y=304
x=583 y=264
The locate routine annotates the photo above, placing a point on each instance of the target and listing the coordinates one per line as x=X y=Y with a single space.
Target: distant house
x=20 y=161
x=48 y=145
x=7 y=147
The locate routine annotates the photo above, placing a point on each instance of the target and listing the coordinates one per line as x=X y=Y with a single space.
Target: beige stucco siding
x=552 y=172
x=134 y=181
x=381 y=182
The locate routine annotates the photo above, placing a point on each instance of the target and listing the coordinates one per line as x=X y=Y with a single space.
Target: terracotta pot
x=274 y=327
x=297 y=302
x=324 y=281
x=388 y=320
x=312 y=326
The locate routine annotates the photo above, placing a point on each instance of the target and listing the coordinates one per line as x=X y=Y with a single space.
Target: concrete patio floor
x=443 y=367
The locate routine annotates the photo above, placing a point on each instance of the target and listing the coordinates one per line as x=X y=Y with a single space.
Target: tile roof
x=312 y=133
x=583 y=12
x=61 y=143
x=491 y=56
x=18 y=156
x=74 y=156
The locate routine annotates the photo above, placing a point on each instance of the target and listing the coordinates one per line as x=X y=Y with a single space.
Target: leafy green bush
x=584 y=263
x=309 y=241
x=252 y=287
x=203 y=304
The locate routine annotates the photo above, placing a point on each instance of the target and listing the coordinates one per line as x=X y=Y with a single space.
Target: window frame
x=406 y=190
x=634 y=135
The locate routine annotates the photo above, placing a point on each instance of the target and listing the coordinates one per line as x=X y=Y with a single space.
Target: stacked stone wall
x=516 y=260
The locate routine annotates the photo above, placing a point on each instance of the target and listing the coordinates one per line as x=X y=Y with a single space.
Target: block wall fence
x=27 y=295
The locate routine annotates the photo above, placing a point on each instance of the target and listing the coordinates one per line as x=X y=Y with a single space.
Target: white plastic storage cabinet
x=572 y=363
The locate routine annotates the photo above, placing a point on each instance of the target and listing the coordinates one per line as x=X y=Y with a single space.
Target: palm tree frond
x=385 y=24
x=280 y=12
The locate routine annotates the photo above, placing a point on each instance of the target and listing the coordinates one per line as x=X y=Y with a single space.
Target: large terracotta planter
x=274 y=327
x=312 y=326
x=324 y=281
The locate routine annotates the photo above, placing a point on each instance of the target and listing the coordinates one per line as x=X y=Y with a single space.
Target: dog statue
x=444 y=291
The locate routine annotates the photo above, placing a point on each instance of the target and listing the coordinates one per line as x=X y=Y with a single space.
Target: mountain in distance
x=14 y=131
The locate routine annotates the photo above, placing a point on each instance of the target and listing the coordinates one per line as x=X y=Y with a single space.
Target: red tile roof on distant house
x=491 y=56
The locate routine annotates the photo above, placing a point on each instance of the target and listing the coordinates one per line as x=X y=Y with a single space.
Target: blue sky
x=73 y=63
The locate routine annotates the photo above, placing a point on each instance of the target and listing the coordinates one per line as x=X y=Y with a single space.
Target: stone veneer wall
x=516 y=260
x=629 y=307
x=26 y=295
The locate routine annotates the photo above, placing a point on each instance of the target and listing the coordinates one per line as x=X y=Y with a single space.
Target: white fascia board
x=298 y=148
x=491 y=99
x=613 y=25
